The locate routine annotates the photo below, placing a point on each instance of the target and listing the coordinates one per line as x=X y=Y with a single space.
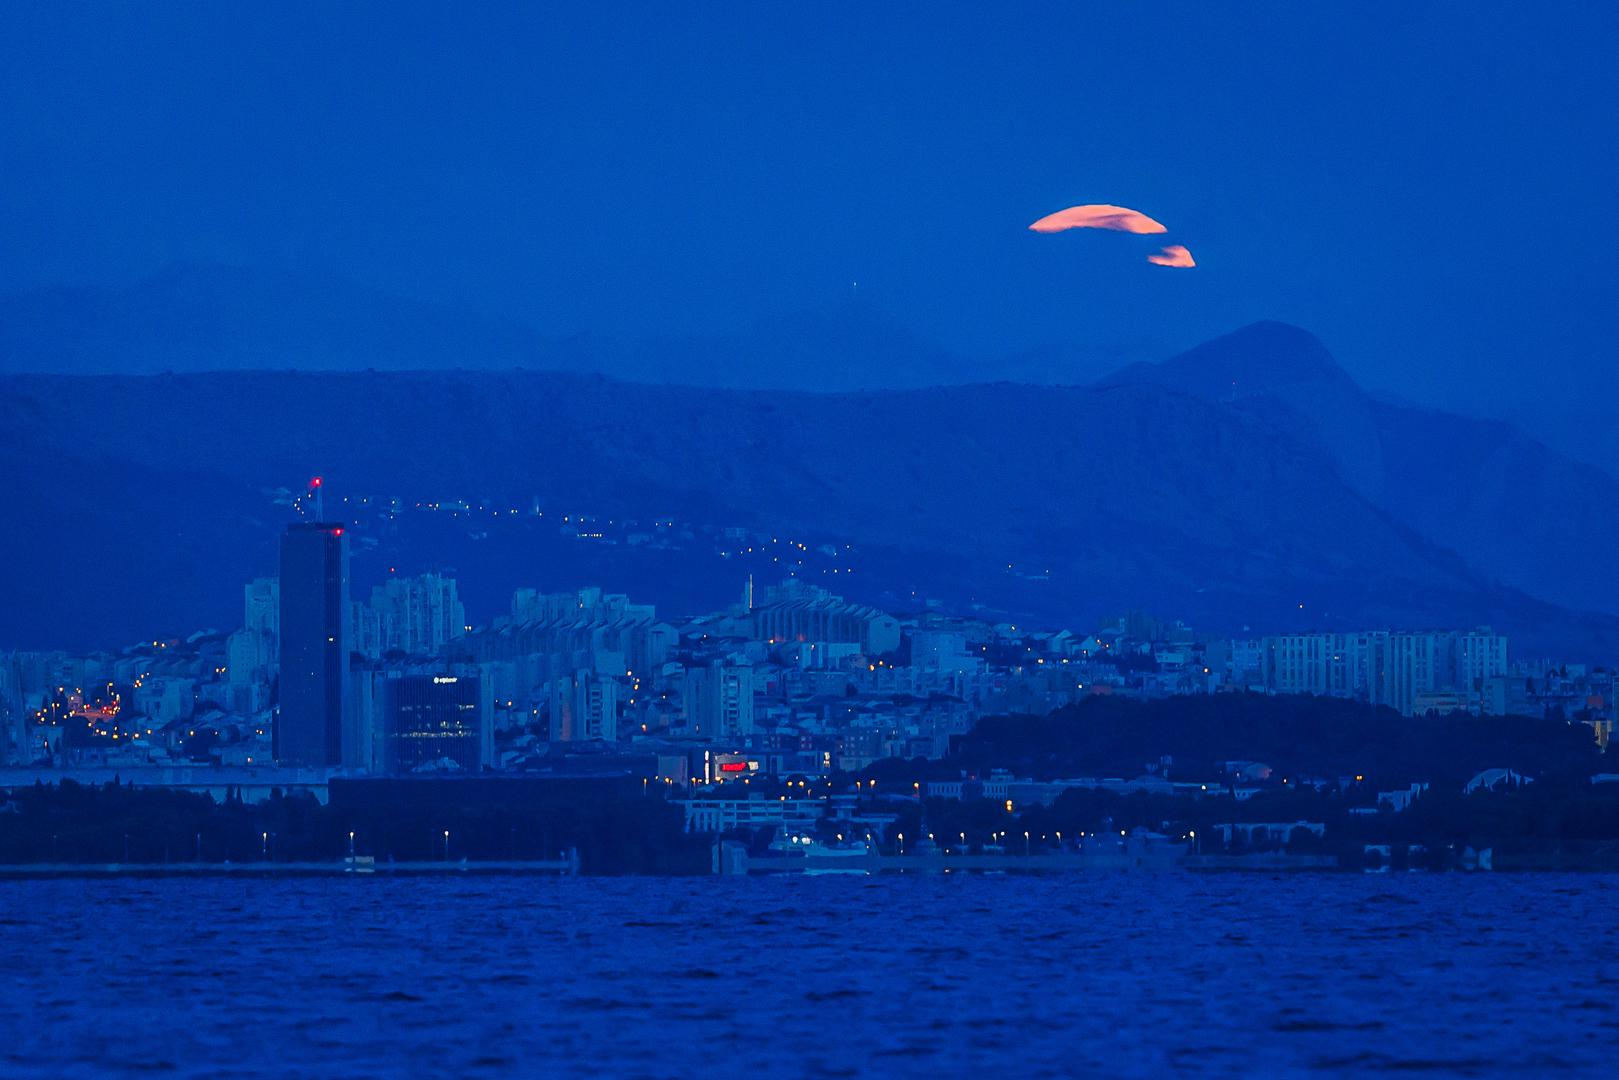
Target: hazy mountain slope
x=1123 y=495
x=1585 y=429
x=1512 y=507
x=1521 y=512
x=213 y=318
x=1286 y=376
x=1030 y=471
x=851 y=344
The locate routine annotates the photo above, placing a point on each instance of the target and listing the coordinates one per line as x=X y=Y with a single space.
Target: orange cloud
x=1098 y=216
x=1173 y=255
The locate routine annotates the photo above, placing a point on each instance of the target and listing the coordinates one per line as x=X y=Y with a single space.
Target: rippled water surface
x=840 y=976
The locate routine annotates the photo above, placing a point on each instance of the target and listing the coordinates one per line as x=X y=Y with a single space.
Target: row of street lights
x=1000 y=837
x=266 y=846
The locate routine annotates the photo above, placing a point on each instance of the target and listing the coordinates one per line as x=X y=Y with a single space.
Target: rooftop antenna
x=320 y=506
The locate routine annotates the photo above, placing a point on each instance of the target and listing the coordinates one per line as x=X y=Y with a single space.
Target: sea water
x=1108 y=974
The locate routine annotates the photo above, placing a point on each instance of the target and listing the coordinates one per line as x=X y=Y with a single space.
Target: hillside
x=143 y=502
x=1516 y=510
x=191 y=318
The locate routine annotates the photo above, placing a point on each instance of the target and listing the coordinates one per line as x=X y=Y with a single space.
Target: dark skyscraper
x=312 y=728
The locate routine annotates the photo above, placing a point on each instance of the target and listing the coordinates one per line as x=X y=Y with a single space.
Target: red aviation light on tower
x=338 y=531
x=320 y=505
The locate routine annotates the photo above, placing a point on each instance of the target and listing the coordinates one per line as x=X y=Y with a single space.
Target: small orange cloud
x=1098 y=216
x=1173 y=255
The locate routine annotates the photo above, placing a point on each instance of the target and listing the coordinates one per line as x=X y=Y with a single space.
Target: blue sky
x=1427 y=187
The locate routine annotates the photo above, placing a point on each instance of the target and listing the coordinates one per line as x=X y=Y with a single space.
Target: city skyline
x=857 y=539
x=323 y=681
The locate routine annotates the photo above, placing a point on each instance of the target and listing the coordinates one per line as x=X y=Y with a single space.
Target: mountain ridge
x=1518 y=510
x=1254 y=452
x=195 y=317
x=1122 y=495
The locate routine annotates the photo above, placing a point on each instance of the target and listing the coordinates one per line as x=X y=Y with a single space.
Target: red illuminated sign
x=733 y=766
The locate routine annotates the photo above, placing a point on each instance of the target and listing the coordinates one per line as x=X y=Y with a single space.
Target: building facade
x=314 y=725
x=437 y=721
x=719 y=700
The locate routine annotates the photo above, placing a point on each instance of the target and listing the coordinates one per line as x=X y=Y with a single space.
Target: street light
x=446 y=845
